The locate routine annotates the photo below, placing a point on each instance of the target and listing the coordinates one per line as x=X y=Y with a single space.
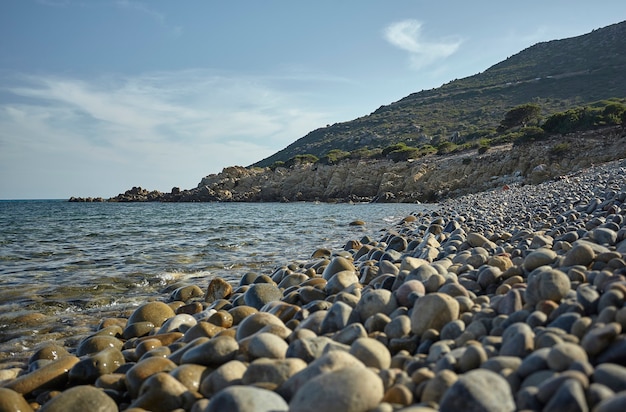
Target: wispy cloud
x=407 y=35
x=157 y=129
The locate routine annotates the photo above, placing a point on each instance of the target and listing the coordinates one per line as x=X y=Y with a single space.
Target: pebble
x=154 y=312
x=477 y=391
x=218 y=289
x=562 y=355
x=228 y=374
x=260 y=294
x=371 y=352
x=11 y=401
x=349 y=389
x=80 y=398
x=433 y=311
x=238 y=398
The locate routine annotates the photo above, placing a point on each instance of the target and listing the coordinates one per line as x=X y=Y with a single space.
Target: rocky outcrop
x=428 y=179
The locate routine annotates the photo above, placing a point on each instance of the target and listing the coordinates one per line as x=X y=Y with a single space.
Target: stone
x=272 y=371
x=80 y=398
x=545 y=283
x=433 y=311
x=435 y=388
x=562 y=355
x=341 y=281
x=580 y=254
x=154 y=312
x=312 y=348
x=142 y=370
x=331 y=361
x=399 y=395
x=570 y=396
x=409 y=291
x=267 y=345
x=613 y=404
x=336 y=317
x=96 y=344
x=178 y=323
x=517 y=340
x=349 y=389
x=350 y=333
x=49 y=351
x=53 y=375
x=228 y=374
x=376 y=301
x=214 y=353
x=186 y=293
x=161 y=392
x=599 y=338
x=536 y=361
x=371 y=352
x=255 y=322
x=238 y=398
x=259 y=294
x=89 y=369
x=190 y=375
x=11 y=401
x=218 y=289
x=478 y=390
x=472 y=358
x=610 y=375
x=338 y=264
x=539 y=257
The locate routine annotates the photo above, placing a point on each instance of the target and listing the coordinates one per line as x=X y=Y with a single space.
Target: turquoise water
x=63 y=264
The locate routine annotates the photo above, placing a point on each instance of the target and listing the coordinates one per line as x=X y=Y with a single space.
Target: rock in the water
x=479 y=390
x=239 y=398
x=80 y=398
x=351 y=389
x=433 y=311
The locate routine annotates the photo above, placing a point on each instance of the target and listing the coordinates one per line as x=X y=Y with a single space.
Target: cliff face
x=427 y=179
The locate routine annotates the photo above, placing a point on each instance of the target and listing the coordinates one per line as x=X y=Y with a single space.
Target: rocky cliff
x=428 y=179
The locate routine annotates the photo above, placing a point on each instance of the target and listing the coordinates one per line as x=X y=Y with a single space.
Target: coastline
x=502 y=300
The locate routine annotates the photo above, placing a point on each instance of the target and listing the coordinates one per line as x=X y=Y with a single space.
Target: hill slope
x=556 y=75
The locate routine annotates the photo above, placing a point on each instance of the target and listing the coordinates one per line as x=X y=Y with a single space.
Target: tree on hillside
x=520 y=116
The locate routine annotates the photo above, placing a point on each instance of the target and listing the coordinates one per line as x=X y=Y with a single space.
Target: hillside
x=557 y=75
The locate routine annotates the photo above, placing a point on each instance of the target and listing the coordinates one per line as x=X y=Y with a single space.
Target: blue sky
x=102 y=95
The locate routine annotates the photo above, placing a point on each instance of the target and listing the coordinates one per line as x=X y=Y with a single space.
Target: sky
x=98 y=96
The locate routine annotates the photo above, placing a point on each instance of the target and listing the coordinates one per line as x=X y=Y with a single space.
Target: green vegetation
x=550 y=88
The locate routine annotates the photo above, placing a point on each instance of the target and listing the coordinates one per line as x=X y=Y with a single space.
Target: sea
x=65 y=266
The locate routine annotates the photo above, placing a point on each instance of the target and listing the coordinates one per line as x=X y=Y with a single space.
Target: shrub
x=559 y=149
x=445 y=148
x=334 y=156
x=301 y=159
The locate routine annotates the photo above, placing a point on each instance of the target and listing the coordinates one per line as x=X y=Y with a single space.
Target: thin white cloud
x=157 y=130
x=407 y=35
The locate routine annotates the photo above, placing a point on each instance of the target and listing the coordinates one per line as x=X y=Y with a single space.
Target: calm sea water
x=64 y=265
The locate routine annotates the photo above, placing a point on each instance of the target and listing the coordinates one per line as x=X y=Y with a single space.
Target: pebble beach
x=508 y=300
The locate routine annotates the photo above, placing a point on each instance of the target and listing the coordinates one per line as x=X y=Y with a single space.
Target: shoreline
x=508 y=300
